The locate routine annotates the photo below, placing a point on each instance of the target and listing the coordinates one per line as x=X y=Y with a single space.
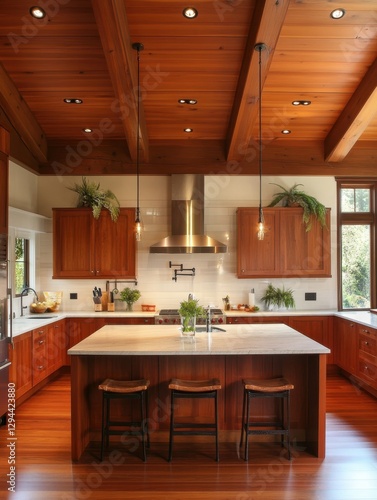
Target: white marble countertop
x=33 y=321
x=167 y=340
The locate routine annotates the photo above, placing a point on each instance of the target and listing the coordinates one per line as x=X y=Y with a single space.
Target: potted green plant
x=90 y=195
x=130 y=296
x=189 y=310
x=278 y=297
x=294 y=197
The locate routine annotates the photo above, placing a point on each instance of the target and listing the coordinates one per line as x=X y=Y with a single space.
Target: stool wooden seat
x=194 y=389
x=268 y=388
x=124 y=389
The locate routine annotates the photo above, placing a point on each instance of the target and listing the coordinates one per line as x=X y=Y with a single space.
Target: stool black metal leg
x=217 y=429
x=288 y=424
x=171 y=426
x=105 y=409
x=143 y=423
x=243 y=418
x=247 y=426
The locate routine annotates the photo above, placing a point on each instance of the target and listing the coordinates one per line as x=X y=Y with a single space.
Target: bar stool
x=194 y=389
x=124 y=389
x=270 y=388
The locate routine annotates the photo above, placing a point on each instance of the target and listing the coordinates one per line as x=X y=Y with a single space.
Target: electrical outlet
x=73 y=296
x=310 y=296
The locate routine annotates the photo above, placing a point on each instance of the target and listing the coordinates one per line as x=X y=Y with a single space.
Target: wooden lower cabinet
x=367 y=355
x=245 y=320
x=20 y=355
x=39 y=355
x=345 y=344
x=318 y=328
x=56 y=346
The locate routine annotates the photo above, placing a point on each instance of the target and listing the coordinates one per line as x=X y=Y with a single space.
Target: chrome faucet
x=208 y=320
x=27 y=289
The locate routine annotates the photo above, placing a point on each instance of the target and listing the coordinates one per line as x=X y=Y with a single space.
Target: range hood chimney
x=187 y=216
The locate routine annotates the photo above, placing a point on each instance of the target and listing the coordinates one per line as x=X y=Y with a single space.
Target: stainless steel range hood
x=187 y=216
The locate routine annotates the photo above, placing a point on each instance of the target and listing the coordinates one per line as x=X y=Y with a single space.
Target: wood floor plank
x=44 y=470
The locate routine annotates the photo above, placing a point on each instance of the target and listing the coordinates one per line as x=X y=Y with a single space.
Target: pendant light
x=259 y=47
x=138 y=46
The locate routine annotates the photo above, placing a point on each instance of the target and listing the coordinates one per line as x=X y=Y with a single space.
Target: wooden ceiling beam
x=121 y=60
x=21 y=118
x=354 y=119
x=265 y=28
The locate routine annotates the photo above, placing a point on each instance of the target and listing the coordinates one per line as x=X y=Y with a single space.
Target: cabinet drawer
x=368 y=343
x=367 y=370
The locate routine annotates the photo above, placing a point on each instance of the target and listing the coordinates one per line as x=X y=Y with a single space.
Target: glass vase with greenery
x=189 y=310
x=129 y=296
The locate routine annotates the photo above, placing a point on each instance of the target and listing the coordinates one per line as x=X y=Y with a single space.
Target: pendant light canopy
x=260 y=47
x=138 y=47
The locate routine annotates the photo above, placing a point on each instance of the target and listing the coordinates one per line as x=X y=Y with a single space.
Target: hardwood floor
x=44 y=470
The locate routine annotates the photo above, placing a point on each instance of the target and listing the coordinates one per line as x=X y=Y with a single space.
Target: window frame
x=355 y=218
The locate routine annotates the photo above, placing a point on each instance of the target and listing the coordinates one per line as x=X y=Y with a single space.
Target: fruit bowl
x=38 y=307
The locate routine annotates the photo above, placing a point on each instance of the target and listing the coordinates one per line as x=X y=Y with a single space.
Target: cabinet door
x=115 y=245
x=73 y=242
x=3 y=194
x=88 y=248
x=345 y=345
x=303 y=253
x=21 y=368
x=257 y=258
x=56 y=346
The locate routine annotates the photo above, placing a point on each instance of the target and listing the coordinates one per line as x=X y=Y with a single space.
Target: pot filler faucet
x=24 y=292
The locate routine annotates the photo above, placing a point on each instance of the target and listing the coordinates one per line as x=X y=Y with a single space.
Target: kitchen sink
x=40 y=316
x=200 y=329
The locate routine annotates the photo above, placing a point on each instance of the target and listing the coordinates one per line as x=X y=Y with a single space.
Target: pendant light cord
x=259 y=47
x=138 y=47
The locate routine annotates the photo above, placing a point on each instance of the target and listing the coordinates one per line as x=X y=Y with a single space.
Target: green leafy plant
x=279 y=297
x=90 y=195
x=190 y=309
x=295 y=197
x=129 y=296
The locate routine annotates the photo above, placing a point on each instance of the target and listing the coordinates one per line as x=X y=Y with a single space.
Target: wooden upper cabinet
x=84 y=247
x=287 y=250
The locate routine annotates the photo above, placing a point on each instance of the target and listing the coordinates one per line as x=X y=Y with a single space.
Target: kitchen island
x=160 y=353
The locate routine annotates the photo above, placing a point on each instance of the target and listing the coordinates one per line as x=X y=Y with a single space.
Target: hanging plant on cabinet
x=294 y=197
x=92 y=196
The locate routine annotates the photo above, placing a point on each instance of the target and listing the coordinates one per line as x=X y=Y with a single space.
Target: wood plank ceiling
x=83 y=49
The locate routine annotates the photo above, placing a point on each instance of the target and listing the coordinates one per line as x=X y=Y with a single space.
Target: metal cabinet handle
x=40 y=342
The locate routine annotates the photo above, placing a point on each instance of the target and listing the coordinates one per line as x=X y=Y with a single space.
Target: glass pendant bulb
x=261 y=225
x=138 y=229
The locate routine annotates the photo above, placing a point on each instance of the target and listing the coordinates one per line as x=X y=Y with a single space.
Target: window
x=356 y=236
x=21 y=265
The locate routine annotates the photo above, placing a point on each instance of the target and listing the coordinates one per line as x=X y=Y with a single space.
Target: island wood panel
x=306 y=372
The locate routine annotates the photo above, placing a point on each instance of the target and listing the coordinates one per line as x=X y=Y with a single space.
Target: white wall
x=215 y=274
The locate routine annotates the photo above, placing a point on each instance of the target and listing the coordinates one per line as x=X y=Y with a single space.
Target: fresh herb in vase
x=130 y=296
x=189 y=310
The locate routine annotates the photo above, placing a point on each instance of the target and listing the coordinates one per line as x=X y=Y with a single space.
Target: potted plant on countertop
x=90 y=195
x=130 y=296
x=189 y=310
x=294 y=197
x=275 y=297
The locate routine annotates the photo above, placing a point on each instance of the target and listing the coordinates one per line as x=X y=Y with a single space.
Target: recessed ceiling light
x=87 y=130
x=37 y=12
x=188 y=130
x=286 y=131
x=73 y=101
x=337 y=13
x=190 y=12
x=187 y=101
x=301 y=103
